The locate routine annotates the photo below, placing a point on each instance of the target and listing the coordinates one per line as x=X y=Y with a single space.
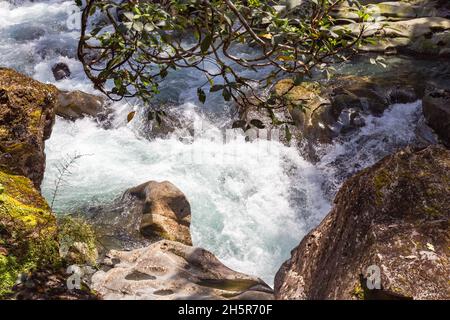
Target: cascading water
x=252 y=202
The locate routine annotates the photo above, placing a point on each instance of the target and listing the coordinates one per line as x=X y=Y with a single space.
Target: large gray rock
x=170 y=270
x=393 y=215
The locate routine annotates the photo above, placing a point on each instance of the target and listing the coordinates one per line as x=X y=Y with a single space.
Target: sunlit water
x=252 y=202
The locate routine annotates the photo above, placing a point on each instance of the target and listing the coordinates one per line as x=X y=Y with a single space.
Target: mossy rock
x=393 y=215
x=27 y=114
x=27 y=231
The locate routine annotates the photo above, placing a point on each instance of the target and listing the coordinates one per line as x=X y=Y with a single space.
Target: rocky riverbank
x=392 y=216
x=31 y=238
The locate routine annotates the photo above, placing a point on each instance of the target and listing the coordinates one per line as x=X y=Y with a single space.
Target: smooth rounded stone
x=168 y=270
x=144 y=214
x=61 y=71
x=73 y=105
x=166 y=212
x=425 y=35
x=392 y=217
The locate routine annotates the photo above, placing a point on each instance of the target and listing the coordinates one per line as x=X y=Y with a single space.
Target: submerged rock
x=171 y=270
x=393 y=216
x=61 y=71
x=322 y=111
x=436 y=109
x=27 y=113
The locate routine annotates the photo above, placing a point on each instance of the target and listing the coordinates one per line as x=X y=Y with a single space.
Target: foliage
x=127 y=48
x=63 y=167
x=75 y=229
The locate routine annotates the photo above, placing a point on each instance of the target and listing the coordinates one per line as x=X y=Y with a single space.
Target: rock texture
x=395 y=215
x=154 y=218
x=150 y=212
x=436 y=109
x=166 y=212
x=322 y=111
x=171 y=270
x=416 y=26
x=73 y=105
x=27 y=113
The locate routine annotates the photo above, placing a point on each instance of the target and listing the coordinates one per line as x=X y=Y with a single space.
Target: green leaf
x=288 y=133
x=206 y=43
x=298 y=80
x=138 y=26
x=226 y=94
x=201 y=95
x=257 y=123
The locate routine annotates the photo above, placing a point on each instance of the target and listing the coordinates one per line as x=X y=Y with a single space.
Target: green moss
x=75 y=229
x=358 y=291
x=28 y=230
x=381 y=180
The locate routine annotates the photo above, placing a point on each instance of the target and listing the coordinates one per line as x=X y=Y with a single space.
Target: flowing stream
x=252 y=202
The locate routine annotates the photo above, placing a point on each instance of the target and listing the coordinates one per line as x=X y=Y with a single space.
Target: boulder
x=392 y=217
x=73 y=105
x=27 y=113
x=150 y=212
x=166 y=212
x=436 y=109
x=168 y=270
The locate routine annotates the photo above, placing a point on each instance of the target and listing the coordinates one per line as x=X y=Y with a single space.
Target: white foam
x=244 y=207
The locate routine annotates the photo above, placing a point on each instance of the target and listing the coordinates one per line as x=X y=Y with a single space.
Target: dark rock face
x=61 y=71
x=394 y=215
x=48 y=285
x=27 y=113
x=436 y=109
